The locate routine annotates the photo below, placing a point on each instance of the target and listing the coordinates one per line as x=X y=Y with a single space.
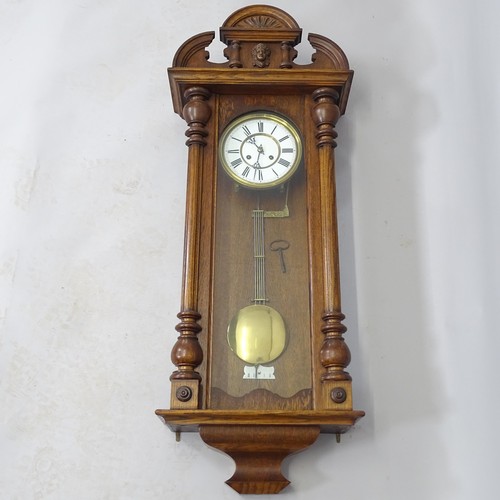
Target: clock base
x=258 y=451
x=258 y=441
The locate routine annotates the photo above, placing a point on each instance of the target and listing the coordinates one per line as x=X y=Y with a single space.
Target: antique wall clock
x=260 y=357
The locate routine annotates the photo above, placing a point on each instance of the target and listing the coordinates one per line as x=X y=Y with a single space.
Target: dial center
x=260 y=150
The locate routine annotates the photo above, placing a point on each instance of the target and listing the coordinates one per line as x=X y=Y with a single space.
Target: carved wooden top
x=261 y=23
x=261 y=16
x=260 y=53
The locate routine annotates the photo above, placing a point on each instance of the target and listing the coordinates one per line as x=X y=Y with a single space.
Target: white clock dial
x=260 y=149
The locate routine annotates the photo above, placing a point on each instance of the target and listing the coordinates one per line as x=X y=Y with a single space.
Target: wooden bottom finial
x=258 y=451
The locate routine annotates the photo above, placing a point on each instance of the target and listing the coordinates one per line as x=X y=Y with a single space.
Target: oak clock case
x=260 y=358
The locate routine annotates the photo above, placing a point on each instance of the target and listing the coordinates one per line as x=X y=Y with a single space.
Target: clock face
x=260 y=149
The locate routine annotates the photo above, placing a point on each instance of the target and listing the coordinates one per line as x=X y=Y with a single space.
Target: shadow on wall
x=379 y=166
x=396 y=378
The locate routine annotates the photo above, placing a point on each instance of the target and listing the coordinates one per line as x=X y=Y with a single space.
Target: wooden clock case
x=259 y=428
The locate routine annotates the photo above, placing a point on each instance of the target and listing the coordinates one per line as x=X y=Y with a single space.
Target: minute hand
x=257 y=164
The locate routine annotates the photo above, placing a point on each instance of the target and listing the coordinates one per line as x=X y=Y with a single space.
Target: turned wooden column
x=187 y=354
x=334 y=354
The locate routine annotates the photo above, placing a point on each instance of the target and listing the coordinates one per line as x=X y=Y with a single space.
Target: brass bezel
x=277 y=117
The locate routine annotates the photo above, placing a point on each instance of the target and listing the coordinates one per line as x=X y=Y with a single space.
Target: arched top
x=260 y=23
x=260 y=50
x=260 y=16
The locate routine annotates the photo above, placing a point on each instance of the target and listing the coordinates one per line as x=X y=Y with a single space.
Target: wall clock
x=260 y=356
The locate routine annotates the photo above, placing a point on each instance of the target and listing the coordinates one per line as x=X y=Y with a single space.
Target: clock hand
x=257 y=164
x=252 y=140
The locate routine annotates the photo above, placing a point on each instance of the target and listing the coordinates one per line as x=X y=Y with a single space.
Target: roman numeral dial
x=260 y=149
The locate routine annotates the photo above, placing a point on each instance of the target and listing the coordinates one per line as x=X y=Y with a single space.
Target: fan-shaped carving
x=259 y=22
x=260 y=16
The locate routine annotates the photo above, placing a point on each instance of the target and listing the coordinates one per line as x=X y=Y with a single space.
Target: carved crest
x=260 y=22
x=261 y=53
x=261 y=17
x=260 y=37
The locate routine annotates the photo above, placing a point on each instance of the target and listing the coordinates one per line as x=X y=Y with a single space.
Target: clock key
x=280 y=246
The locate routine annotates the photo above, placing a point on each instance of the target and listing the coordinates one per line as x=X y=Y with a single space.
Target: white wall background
x=92 y=176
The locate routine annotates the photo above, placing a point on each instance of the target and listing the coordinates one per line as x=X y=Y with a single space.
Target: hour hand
x=252 y=140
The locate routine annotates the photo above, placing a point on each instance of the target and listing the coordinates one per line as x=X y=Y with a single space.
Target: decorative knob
x=338 y=395
x=184 y=393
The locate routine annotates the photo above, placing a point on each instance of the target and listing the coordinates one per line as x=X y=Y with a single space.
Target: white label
x=258 y=372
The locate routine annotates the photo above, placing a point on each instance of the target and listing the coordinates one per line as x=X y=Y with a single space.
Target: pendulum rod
x=259 y=257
